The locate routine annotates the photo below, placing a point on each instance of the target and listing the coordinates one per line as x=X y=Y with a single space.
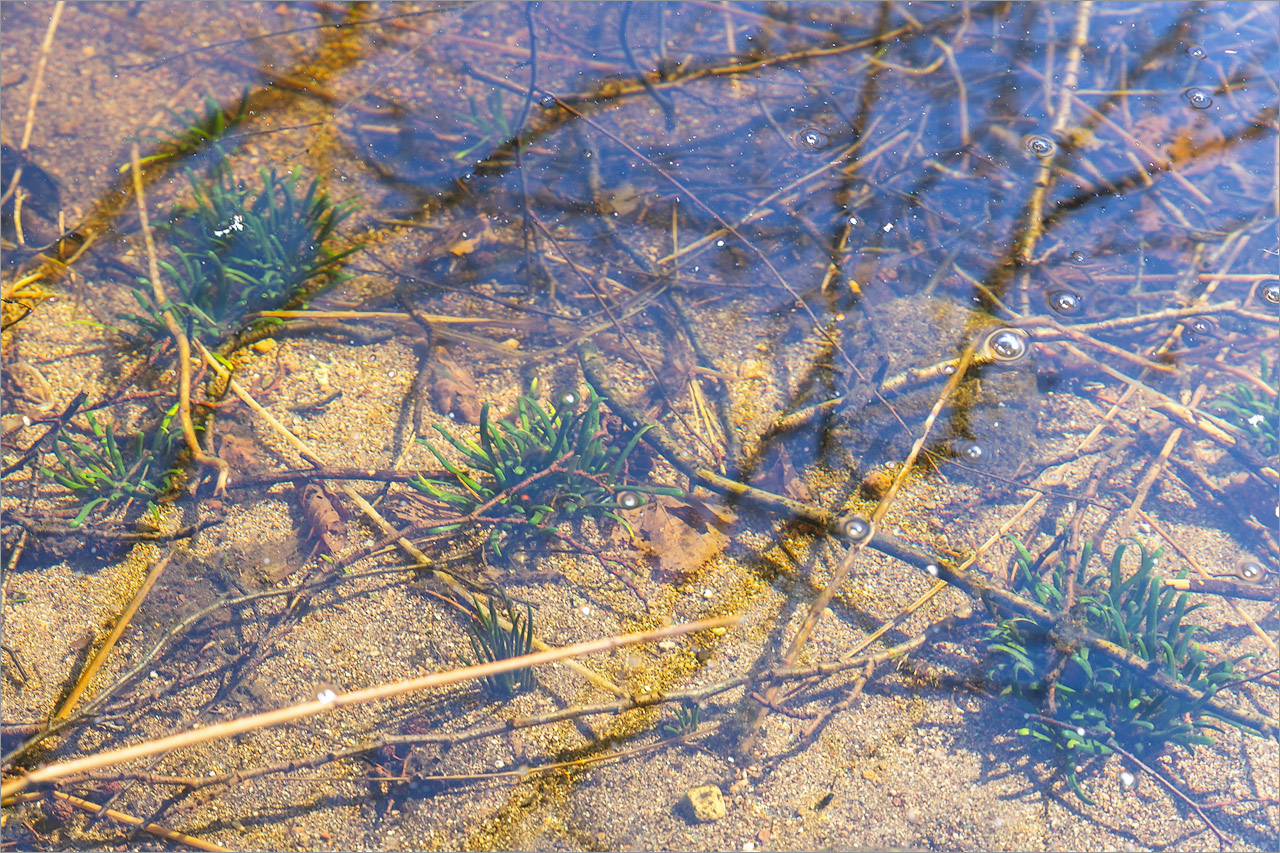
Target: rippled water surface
x=930 y=348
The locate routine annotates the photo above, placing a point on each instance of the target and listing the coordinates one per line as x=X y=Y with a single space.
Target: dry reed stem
x=1195 y=564
x=304 y=710
x=37 y=85
x=175 y=331
x=82 y=683
x=846 y=565
x=421 y=559
x=1154 y=470
x=145 y=826
x=1033 y=226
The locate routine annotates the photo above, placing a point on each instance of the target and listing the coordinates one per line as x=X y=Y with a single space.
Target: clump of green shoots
x=1258 y=417
x=199 y=132
x=687 y=717
x=537 y=468
x=106 y=470
x=1084 y=706
x=239 y=248
x=494 y=127
x=493 y=641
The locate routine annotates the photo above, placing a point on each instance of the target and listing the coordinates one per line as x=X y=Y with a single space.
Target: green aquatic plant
x=536 y=468
x=198 y=132
x=106 y=469
x=493 y=125
x=1085 y=706
x=237 y=249
x=687 y=717
x=493 y=641
x=1258 y=417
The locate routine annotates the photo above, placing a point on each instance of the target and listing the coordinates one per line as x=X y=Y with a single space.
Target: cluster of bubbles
x=1198 y=98
x=856 y=528
x=968 y=450
x=1040 y=146
x=1197 y=329
x=1271 y=291
x=1200 y=326
x=1250 y=570
x=1195 y=51
x=1007 y=345
x=1066 y=302
x=812 y=139
x=629 y=499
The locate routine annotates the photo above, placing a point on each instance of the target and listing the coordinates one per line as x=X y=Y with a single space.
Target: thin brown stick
x=1222 y=839
x=82 y=683
x=329 y=703
x=145 y=826
x=37 y=85
x=1033 y=224
x=175 y=330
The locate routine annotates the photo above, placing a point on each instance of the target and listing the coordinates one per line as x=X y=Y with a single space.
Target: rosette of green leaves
x=1096 y=703
x=537 y=467
x=237 y=249
x=108 y=469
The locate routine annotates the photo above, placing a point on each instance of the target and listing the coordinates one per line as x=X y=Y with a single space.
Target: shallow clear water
x=908 y=333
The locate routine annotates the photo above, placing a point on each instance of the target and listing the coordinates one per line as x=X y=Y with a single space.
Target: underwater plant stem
x=1033 y=224
x=146 y=826
x=257 y=722
x=122 y=622
x=179 y=337
x=37 y=85
x=820 y=603
x=1156 y=468
x=1206 y=577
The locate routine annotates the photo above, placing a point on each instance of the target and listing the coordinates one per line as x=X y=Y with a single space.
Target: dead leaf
x=453 y=389
x=324 y=516
x=680 y=534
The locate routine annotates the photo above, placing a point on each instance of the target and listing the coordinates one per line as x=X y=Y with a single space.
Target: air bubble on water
x=812 y=139
x=855 y=527
x=948 y=369
x=1040 y=146
x=932 y=570
x=969 y=450
x=1250 y=570
x=1200 y=325
x=1078 y=257
x=1007 y=344
x=628 y=499
x=719 y=244
x=547 y=101
x=1127 y=780
x=1271 y=291
x=1195 y=51
x=1065 y=301
x=1198 y=98
x=570 y=398
x=327 y=697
